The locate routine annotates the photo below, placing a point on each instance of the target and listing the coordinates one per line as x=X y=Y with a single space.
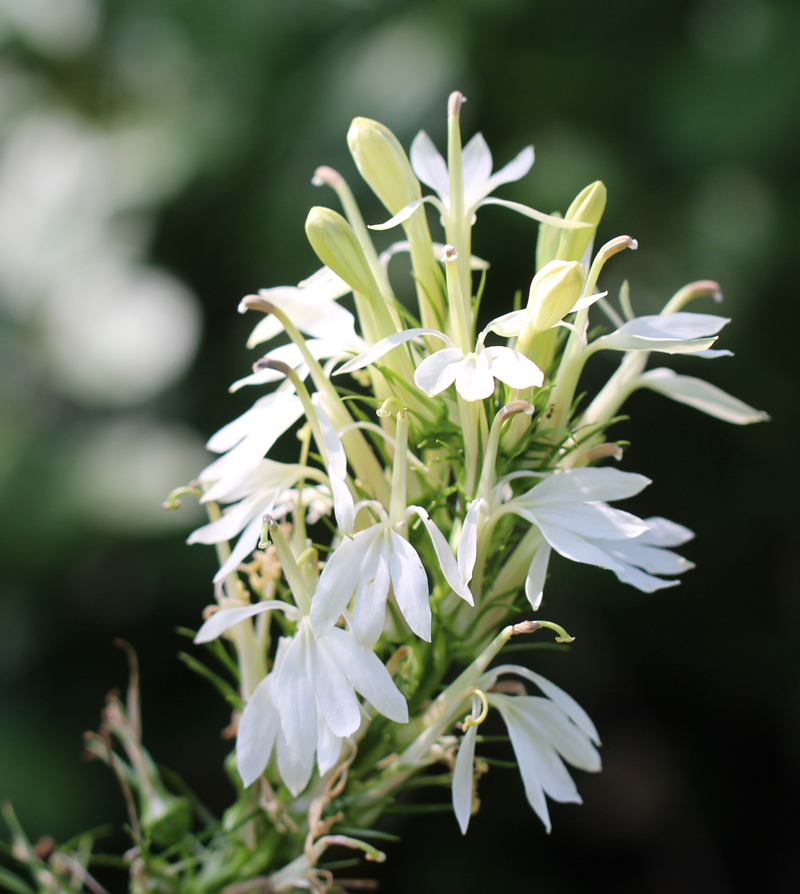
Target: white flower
x=570 y=511
x=678 y=333
x=311 y=306
x=473 y=373
x=307 y=704
x=364 y=567
x=544 y=733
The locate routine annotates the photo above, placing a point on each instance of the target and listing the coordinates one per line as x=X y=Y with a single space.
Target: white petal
x=387 y=344
x=410 y=585
x=343 y=506
x=233 y=519
x=570 y=741
x=277 y=411
x=624 y=341
x=256 y=734
x=295 y=698
x=438 y=371
x=338 y=581
x=402 y=215
x=367 y=674
x=335 y=695
x=329 y=746
x=462 y=779
x=476 y=168
x=573 y=547
x=429 y=165
x=513 y=368
x=225 y=618
x=647 y=583
x=662 y=532
x=516 y=169
x=369 y=605
x=587 y=486
x=337 y=460
x=564 y=701
x=596 y=520
x=537 y=573
x=468 y=544
x=295 y=768
x=447 y=561
x=587 y=301
x=702 y=396
x=558 y=222
x=247 y=542
x=652 y=559
x=681 y=325
x=265 y=330
x=474 y=381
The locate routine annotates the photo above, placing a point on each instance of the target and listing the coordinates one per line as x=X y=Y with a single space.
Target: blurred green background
x=155 y=166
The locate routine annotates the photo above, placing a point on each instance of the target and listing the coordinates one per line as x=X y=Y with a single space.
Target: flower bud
x=383 y=163
x=588 y=206
x=554 y=291
x=337 y=246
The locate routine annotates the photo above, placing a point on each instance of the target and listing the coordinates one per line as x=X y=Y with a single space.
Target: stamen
x=469 y=720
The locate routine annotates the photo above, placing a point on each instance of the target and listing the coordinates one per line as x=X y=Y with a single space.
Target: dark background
x=690 y=113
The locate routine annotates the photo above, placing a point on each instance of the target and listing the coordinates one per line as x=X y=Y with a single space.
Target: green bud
x=337 y=246
x=554 y=291
x=588 y=206
x=547 y=243
x=165 y=818
x=383 y=163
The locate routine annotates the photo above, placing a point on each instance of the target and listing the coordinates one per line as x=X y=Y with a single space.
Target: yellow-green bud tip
x=337 y=246
x=553 y=293
x=383 y=163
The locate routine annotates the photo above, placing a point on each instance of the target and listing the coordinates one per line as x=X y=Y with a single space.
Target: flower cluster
x=439 y=466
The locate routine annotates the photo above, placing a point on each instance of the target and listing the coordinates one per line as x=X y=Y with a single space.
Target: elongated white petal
x=447 y=561
x=335 y=695
x=404 y=213
x=713 y=353
x=342 y=505
x=663 y=532
x=462 y=779
x=225 y=618
x=680 y=325
x=596 y=520
x=247 y=542
x=624 y=341
x=295 y=767
x=574 y=547
x=337 y=459
x=537 y=574
x=329 y=745
x=566 y=702
x=587 y=301
x=507 y=325
x=476 y=168
x=256 y=734
x=338 y=581
x=587 y=485
x=278 y=411
x=513 y=368
x=410 y=584
x=516 y=169
x=429 y=165
x=569 y=740
x=295 y=698
x=702 y=396
x=643 y=581
x=369 y=605
x=366 y=672
x=387 y=344
x=468 y=544
x=474 y=380
x=438 y=371
x=652 y=559
x=233 y=519
x=318 y=317
x=536 y=215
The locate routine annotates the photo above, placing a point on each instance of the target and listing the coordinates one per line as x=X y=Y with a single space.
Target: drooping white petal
x=278 y=410
x=329 y=745
x=626 y=341
x=438 y=371
x=233 y=519
x=317 y=316
x=507 y=325
x=256 y=734
x=343 y=506
x=680 y=325
x=402 y=215
x=570 y=741
x=647 y=583
x=596 y=520
x=295 y=698
x=537 y=574
x=295 y=767
x=587 y=301
x=702 y=396
x=564 y=701
x=247 y=542
x=476 y=168
x=513 y=368
x=447 y=561
x=335 y=695
x=369 y=605
x=468 y=544
x=587 y=485
x=516 y=169
x=462 y=779
x=429 y=165
x=338 y=581
x=367 y=673
x=663 y=532
x=225 y=618
x=337 y=459
x=652 y=559
x=387 y=344
x=474 y=380
x=534 y=214
x=575 y=548
x=410 y=584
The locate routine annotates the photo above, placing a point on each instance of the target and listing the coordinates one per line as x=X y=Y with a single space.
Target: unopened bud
x=553 y=293
x=337 y=246
x=588 y=206
x=383 y=163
